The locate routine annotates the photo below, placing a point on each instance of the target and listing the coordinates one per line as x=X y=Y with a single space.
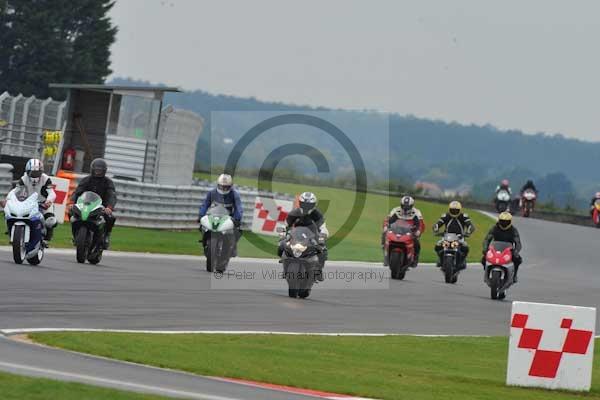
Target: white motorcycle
x=503 y=201
x=25 y=223
x=218 y=238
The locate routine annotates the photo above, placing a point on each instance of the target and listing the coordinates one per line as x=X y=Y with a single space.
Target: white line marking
x=114 y=382
x=489 y=214
x=9 y=332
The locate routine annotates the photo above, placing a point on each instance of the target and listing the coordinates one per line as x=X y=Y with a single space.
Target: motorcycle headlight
x=298 y=249
x=455 y=245
x=445 y=244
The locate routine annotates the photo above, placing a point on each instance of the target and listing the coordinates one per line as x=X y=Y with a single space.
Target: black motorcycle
x=452 y=258
x=300 y=260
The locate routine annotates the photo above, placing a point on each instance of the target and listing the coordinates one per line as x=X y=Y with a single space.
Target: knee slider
x=51 y=222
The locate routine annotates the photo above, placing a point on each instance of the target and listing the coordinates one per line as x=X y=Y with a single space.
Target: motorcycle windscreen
x=89 y=198
x=301 y=235
x=451 y=237
x=401 y=227
x=503 y=195
x=217 y=210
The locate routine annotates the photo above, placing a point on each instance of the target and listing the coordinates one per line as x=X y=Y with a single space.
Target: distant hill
x=449 y=154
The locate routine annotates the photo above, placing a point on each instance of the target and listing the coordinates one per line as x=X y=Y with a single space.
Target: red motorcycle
x=399 y=247
x=596 y=213
x=499 y=268
x=527 y=202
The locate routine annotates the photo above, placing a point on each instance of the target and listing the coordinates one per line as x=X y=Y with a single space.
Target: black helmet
x=307 y=202
x=98 y=168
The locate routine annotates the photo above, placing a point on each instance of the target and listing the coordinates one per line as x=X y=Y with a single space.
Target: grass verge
x=392 y=367
x=16 y=387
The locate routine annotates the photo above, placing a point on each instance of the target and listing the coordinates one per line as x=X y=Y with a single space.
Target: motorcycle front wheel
x=18 y=244
x=396 y=264
x=495 y=283
x=81 y=244
x=449 y=270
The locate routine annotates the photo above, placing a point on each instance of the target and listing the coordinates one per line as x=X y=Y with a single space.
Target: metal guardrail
x=6 y=179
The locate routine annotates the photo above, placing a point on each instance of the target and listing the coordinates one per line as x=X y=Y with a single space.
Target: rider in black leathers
x=454 y=221
x=104 y=187
x=504 y=231
x=308 y=215
x=528 y=185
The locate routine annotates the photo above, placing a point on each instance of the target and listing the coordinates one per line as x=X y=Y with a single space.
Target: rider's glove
x=108 y=211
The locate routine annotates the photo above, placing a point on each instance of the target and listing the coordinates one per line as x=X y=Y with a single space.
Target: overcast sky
x=529 y=65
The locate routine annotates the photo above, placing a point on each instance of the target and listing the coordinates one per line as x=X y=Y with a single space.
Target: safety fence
x=6 y=178
x=23 y=121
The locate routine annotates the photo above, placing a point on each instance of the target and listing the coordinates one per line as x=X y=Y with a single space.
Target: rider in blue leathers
x=228 y=197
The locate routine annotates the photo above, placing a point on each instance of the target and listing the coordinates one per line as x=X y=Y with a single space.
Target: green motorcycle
x=218 y=238
x=89 y=227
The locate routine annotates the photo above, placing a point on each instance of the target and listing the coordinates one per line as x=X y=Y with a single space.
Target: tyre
x=397 y=265
x=293 y=278
x=81 y=244
x=303 y=293
x=454 y=279
x=449 y=269
x=37 y=258
x=18 y=244
x=212 y=255
x=96 y=258
x=495 y=283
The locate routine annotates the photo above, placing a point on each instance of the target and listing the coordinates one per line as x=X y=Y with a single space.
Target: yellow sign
x=51 y=137
x=3 y=122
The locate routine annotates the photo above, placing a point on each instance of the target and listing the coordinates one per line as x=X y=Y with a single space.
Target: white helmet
x=34 y=170
x=407 y=203
x=307 y=202
x=224 y=183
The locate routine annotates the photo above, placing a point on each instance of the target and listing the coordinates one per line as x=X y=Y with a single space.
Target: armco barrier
x=148 y=205
x=170 y=207
x=6 y=179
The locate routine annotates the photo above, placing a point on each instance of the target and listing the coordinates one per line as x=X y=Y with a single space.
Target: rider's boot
x=106 y=241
